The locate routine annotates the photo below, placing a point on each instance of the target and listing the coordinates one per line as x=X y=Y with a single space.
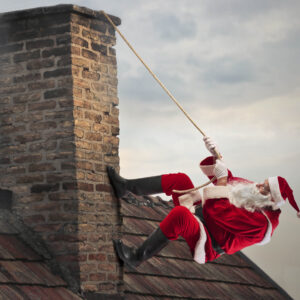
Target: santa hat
x=280 y=190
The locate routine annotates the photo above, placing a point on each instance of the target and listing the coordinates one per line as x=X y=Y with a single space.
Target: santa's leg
x=140 y=186
x=178 y=181
x=133 y=257
x=179 y=222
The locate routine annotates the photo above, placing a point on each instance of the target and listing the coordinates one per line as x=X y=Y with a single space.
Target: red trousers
x=180 y=221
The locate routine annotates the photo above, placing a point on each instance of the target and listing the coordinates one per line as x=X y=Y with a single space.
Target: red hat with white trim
x=280 y=190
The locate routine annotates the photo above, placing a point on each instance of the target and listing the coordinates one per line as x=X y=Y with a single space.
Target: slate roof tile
x=24 y=273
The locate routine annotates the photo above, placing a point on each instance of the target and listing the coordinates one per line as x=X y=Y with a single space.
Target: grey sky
x=234 y=66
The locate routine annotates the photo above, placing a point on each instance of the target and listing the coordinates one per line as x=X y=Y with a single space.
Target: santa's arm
x=221 y=172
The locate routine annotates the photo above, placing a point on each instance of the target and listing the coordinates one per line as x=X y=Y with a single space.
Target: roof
x=173 y=274
x=24 y=270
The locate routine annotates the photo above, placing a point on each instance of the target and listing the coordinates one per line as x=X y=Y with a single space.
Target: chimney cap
x=61 y=8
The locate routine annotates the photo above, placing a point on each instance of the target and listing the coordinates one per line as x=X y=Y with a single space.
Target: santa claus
x=232 y=214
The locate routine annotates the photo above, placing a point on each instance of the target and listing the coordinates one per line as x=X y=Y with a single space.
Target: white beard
x=248 y=197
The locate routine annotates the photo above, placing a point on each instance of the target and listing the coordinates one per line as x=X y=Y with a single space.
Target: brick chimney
x=59 y=127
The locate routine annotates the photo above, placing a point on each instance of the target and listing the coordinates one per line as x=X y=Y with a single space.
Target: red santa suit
x=222 y=226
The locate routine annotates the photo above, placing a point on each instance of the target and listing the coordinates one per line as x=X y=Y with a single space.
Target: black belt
x=215 y=245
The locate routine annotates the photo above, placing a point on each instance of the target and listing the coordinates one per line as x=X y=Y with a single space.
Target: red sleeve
x=207 y=166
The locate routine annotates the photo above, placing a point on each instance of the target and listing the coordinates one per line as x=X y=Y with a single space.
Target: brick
x=106 y=287
x=80 y=62
x=40 y=64
x=27 y=56
x=89 y=54
x=111 y=159
x=111 y=60
x=56 y=51
x=58 y=72
x=39 y=188
x=26 y=98
x=39 y=44
x=113 y=140
x=31 y=198
x=57 y=93
x=58 y=177
x=65 y=61
x=84 y=165
x=78 y=93
x=62 y=217
x=28 y=158
x=63 y=40
x=41 y=85
x=48 y=228
x=91 y=75
x=63 y=196
x=100 y=48
x=78 y=186
x=100 y=87
x=90 y=136
x=115 y=131
x=28 y=77
x=80 y=41
x=46 y=207
x=11 y=48
x=97 y=277
x=47 y=145
x=75 y=50
x=70 y=165
x=41 y=167
x=103 y=128
x=13 y=89
x=5 y=160
x=82 y=124
x=43 y=125
x=15 y=170
x=81 y=103
x=66 y=258
x=103 y=188
x=100 y=27
x=97 y=257
x=107 y=267
x=34 y=219
x=111 y=51
x=97 y=118
x=105 y=39
x=94 y=177
x=42 y=105
x=28 y=137
x=55 y=30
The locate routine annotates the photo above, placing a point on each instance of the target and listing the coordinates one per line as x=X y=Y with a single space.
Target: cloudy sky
x=235 y=68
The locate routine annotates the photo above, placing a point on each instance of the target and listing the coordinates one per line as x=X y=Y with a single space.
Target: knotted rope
x=168 y=93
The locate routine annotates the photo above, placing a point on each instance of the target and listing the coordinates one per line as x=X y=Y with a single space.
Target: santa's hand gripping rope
x=229 y=216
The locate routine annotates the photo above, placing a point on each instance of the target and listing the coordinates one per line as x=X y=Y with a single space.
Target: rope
x=168 y=93
x=195 y=188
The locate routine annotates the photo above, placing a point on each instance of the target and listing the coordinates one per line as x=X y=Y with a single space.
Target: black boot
x=141 y=186
x=133 y=257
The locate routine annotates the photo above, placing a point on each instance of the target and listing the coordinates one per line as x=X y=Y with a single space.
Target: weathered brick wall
x=59 y=126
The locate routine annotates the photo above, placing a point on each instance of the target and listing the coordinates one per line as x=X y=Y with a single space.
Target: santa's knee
x=179 y=215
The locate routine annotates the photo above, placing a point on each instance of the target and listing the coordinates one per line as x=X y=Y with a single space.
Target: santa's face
x=250 y=196
x=264 y=188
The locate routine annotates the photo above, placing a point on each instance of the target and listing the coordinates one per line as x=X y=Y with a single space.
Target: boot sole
x=118 y=248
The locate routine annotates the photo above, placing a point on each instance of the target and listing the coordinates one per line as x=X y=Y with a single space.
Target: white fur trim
x=189 y=199
x=208 y=170
x=215 y=192
x=199 y=254
x=275 y=192
x=267 y=237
